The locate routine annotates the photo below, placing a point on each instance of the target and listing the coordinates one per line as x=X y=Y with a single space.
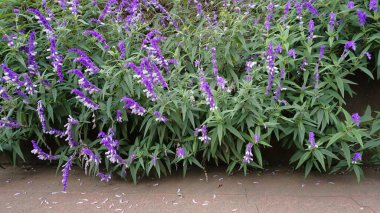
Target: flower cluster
x=85 y=61
x=10 y=76
x=160 y=117
x=118 y=116
x=271 y=69
x=133 y=105
x=180 y=153
x=85 y=100
x=41 y=116
x=143 y=79
x=4 y=94
x=355 y=118
x=4 y=122
x=104 y=177
x=97 y=36
x=204 y=137
x=41 y=154
x=205 y=88
x=356 y=157
x=362 y=16
x=71 y=122
x=220 y=81
x=312 y=140
x=31 y=53
x=112 y=146
x=74 y=6
x=65 y=172
x=83 y=82
x=248 y=157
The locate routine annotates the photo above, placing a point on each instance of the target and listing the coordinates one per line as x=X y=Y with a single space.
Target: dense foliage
x=138 y=87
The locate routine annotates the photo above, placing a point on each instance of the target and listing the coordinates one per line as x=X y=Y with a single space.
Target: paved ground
x=275 y=190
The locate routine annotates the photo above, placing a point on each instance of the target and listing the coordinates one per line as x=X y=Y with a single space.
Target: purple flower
x=134 y=106
x=269 y=16
x=89 y=156
x=85 y=100
x=4 y=94
x=42 y=20
x=355 y=118
x=206 y=90
x=74 y=6
x=204 y=137
x=154 y=159
x=214 y=62
x=83 y=82
x=29 y=86
x=367 y=54
x=160 y=117
x=106 y=9
x=311 y=8
x=62 y=3
x=121 y=46
x=311 y=28
x=69 y=131
x=292 y=53
x=373 y=5
x=41 y=116
x=362 y=16
x=278 y=49
x=112 y=146
x=104 y=177
x=57 y=133
x=282 y=74
x=356 y=157
x=118 y=116
x=349 y=45
x=271 y=68
x=248 y=157
x=31 y=53
x=350 y=4
x=41 y=154
x=331 y=21
x=85 y=61
x=97 y=35
x=65 y=172
x=142 y=78
x=312 y=140
x=9 y=123
x=180 y=153
x=9 y=75
x=299 y=8
x=16 y=11
x=321 y=52
x=57 y=60
x=256 y=138
x=286 y=10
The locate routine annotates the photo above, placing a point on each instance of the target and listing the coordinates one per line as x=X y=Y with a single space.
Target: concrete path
x=275 y=190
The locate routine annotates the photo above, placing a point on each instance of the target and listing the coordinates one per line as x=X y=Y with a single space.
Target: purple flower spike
x=356 y=158
x=160 y=117
x=312 y=140
x=204 y=137
x=118 y=116
x=41 y=154
x=65 y=172
x=331 y=21
x=365 y=53
x=373 y=5
x=9 y=123
x=134 y=106
x=84 y=83
x=42 y=20
x=104 y=177
x=143 y=79
x=206 y=89
x=180 y=153
x=41 y=116
x=10 y=76
x=112 y=146
x=74 y=6
x=29 y=86
x=256 y=138
x=350 y=45
x=248 y=157
x=350 y=4
x=98 y=37
x=121 y=46
x=271 y=68
x=106 y=9
x=90 y=156
x=71 y=122
x=362 y=16
x=31 y=53
x=154 y=160
x=62 y=4
x=292 y=53
x=311 y=28
x=85 y=100
x=355 y=118
x=85 y=61
x=56 y=133
x=4 y=94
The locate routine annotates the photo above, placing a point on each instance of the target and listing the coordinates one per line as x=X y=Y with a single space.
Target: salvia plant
x=139 y=87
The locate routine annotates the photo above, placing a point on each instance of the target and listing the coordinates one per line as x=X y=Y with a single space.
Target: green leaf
x=303 y=158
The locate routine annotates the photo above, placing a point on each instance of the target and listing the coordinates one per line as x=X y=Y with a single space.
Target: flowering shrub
x=136 y=87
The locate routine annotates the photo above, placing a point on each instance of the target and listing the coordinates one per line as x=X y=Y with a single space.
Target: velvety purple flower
x=355 y=118
x=277 y=93
x=112 y=146
x=160 y=117
x=373 y=5
x=271 y=68
x=118 y=116
x=56 y=133
x=9 y=123
x=106 y=9
x=214 y=62
x=4 y=94
x=350 y=45
x=256 y=138
x=62 y=4
x=16 y=11
x=292 y=53
x=74 y=6
x=65 y=172
x=89 y=156
x=162 y=9
x=134 y=106
x=321 y=52
x=20 y=93
x=350 y=4
x=41 y=115
x=85 y=100
x=362 y=16
x=42 y=20
x=31 y=55
x=10 y=39
x=206 y=90
x=299 y=8
x=331 y=21
x=312 y=140
x=29 y=86
x=9 y=75
x=121 y=46
x=282 y=74
x=41 y=154
x=248 y=157
x=57 y=59
x=367 y=54
x=269 y=16
x=85 y=61
x=143 y=79
x=311 y=28
x=248 y=68
x=311 y=8
x=356 y=157
x=180 y=153
x=154 y=160
x=97 y=36
x=83 y=82
x=71 y=122
x=316 y=80
x=286 y=10
x=204 y=137
x=104 y=177
x=278 y=49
